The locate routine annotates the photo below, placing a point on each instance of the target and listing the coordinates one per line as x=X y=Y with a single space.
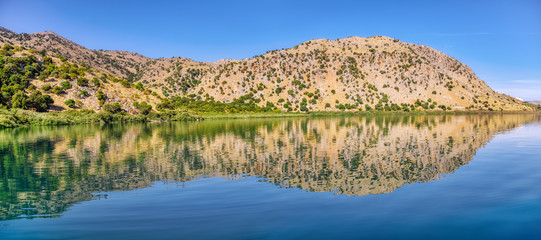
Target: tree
x=112 y=107
x=19 y=100
x=39 y=102
x=143 y=107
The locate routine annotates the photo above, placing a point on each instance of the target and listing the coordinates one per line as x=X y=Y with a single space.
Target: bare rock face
x=352 y=74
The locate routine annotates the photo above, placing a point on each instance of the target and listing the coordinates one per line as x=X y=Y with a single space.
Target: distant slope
x=347 y=74
x=121 y=64
x=36 y=81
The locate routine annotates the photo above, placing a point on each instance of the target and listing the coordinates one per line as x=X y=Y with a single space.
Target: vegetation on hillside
x=351 y=75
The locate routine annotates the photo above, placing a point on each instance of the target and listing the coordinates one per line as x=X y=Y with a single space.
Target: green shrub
x=113 y=107
x=100 y=95
x=82 y=82
x=46 y=87
x=39 y=102
x=57 y=90
x=65 y=85
x=70 y=103
x=19 y=100
x=142 y=107
x=96 y=81
x=125 y=83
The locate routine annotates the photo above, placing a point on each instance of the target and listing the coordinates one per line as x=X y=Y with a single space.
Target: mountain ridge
x=353 y=73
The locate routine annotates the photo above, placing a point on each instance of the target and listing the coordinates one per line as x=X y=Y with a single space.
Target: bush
x=367 y=107
x=82 y=82
x=112 y=107
x=125 y=83
x=39 y=102
x=57 y=90
x=142 y=107
x=101 y=96
x=70 y=103
x=84 y=93
x=96 y=82
x=19 y=100
x=139 y=86
x=65 y=85
x=46 y=87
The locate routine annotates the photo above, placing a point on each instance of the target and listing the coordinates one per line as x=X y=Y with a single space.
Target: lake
x=361 y=177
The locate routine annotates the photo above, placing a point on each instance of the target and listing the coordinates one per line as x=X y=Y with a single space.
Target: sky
x=499 y=40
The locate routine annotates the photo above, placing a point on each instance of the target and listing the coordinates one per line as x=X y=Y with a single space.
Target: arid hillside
x=348 y=74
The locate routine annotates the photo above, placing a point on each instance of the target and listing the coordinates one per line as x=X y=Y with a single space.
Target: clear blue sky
x=499 y=40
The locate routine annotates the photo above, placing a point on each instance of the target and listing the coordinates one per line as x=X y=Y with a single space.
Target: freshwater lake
x=363 y=177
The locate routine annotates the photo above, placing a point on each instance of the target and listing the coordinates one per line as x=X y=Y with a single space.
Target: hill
x=319 y=75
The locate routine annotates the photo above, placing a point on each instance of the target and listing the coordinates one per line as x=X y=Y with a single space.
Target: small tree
x=113 y=107
x=143 y=107
x=19 y=100
x=39 y=102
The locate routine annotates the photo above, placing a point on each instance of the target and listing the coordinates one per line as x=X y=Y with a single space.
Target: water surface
x=474 y=177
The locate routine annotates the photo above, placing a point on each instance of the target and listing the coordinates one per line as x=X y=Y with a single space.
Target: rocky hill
x=37 y=81
x=348 y=74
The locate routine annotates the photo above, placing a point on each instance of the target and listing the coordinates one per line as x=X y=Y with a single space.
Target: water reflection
x=45 y=170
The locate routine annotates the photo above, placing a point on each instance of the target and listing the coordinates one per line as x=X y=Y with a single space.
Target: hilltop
x=348 y=74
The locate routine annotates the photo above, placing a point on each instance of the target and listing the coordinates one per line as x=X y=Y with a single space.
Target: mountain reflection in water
x=45 y=170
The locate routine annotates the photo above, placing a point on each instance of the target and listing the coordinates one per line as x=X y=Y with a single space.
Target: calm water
x=424 y=177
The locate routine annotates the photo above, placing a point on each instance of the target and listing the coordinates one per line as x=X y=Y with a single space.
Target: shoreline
x=17 y=118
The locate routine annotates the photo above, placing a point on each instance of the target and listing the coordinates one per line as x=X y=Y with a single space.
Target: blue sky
x=499 y=40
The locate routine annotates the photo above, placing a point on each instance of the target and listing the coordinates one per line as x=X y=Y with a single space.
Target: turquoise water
x=423 y=177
